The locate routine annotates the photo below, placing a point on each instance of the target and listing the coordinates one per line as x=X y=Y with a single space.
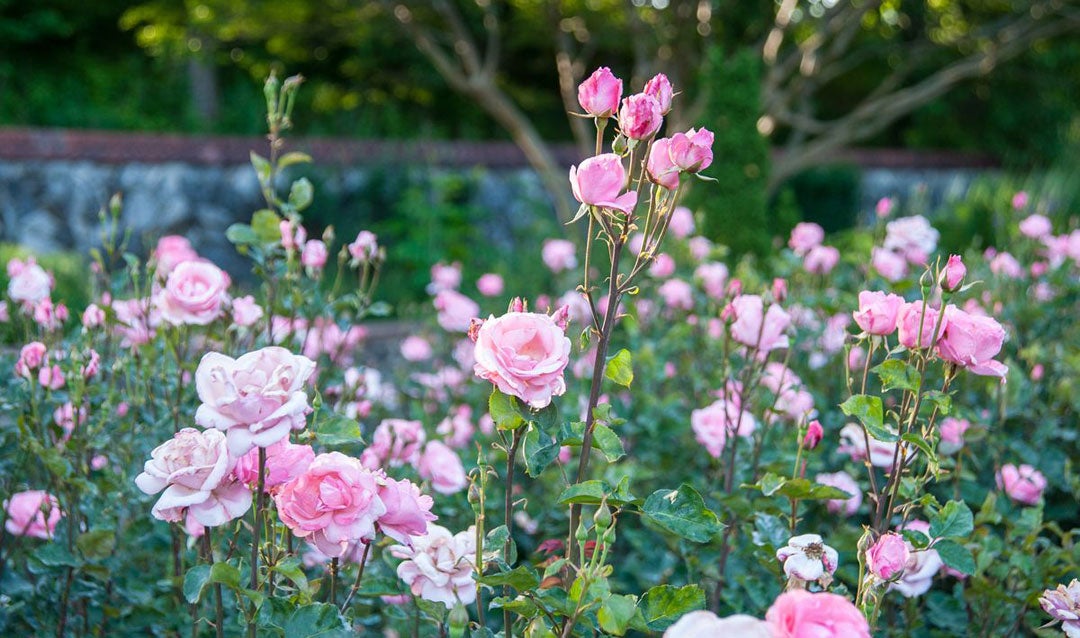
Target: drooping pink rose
x=844 y=482
x=284 y=462
x=1023 y=484
x=32 y=513
x=600 y=93
x=332 y=504
x=194 y=294
x=705 y=624
x=455 y=310
x=682 y=222
x=820 y=260
x=245 y=311
x=524 y=355
x=916 y=324
x=878 y=312
x=598 y=180
x=255 y=399
x=691 y=152
x=438 y=566
x=952 y=435
x=805 y=236
x=677 y=294
x=31 y=284
x=408 y=512
x=639 y=116
x=757 y=328
x=659 y=87
x=490 y=284
x=888 y=264
x=972 y=342
x=801 y=614
x=442 y=466
x=172 y=250
x=888 y=556
x=364 y=248
x=396 y=442
x=194 y=470
x=414 y=348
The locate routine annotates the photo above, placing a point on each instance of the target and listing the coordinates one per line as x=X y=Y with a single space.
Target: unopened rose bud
x=887 y=557
x=953 y=275
x=602 y=518
x=599 y=94
x=814 y=434
x=517 y=304
x=779 y=289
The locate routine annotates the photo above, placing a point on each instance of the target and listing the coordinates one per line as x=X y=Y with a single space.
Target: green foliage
x=828 y=196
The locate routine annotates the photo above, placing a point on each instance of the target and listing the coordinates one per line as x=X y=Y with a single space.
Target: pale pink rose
x=335 y=502
x=663 y=266
x=972 y=342
x=51 y=377
x=757 y=328
x=455 y=310
x=599 y=94
x=172 y=250
x=713 y=276
x=1037 y=372
x=408 y=512
x=807 y=558
x=883 y=207
x=888 y=264
x=1063 y=604
x=136 y=320
x=314 y=254
x=324 y=336
x=639 y=116
x=1005 y=264
x=524 y=355
x=952 y=435
x=598 y=182
x=490 y=284
x=438 y=566
x=193 y=468
x=444 y=277
x=245 y=311
x=1038 y=269
x=888 y=556
x=922 y=566
x=714 y=423
x=791 y=399
x=705 y=624
x=677 y=294
x=801 y=614
x=577 y=306
x=1023 y=484
x=912 y=237
x=856 y=357
x=99 y=462
x=1036 y=226
x=395 y=442
x=5 y=314
x=878 y=312
x=914 y=334
x=93 y=317
x=48 y=316
x=91 y=365
x=414 y=348
x=364 y=248
x=293 y=235
x=441 y=465
x=853 y=443
x=691 y=151
x=1072 y=246
x=636 y=243
x=457 y=428
x=32 y=513
x=820 y=260
x=682 y=222
x=700 y=247
x=659 y=87
x=256 y=399
x=31 y=284
x=844 y=482
x=194 y=294
x=559 y=255
x=284 y=462
x=31 y=357
x=1020 y=200
x=805 y=236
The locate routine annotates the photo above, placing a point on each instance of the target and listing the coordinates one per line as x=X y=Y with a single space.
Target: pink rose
x=334 y=503
x=713 y=277
x=714 y=423
x=883 y=207
x=194 y=294
x=32 y=513
x=691 y=151
x=972 y=341
x=922 y=565
x=1036 y=226
x=1023 y=484
x=172 y=250
x=456 y=311
x=888 y=556
x=954 y=273
x=659 y=87
x=805 y=236
x=31 y=284
x=952 y=435
x=445 y=277
x=438 y=565
x=677 y=294
x=284 y=462
x=414 y=348
x=705 y=624
x=844 y=482
x=51 y=377
x=878 y=312
x=524 y=355
x=559 y=255
x=660 y=166
x=441 y=465
x=256 y=399
x=193 y=468
x=912 y=237
x=814 y=434
x=682 y=222
x=395 y=442
x=916 y=324
x=598 y=182
x=245 y=311
x=888 y=264
x=639 y=116
x=820 y=260
x=93 y=317
x=700 y=247
x=853 y=443
x=490 y=284
x=790 y=399
x=800 y=614
x=1005 y=264
x=1020 y=200
x=31 y=357
x=757 y=328
x=408 y=512
x=663 y=266
x=457 y=428
x=293 y=235
x=599 y=94
x=314 y=255
x=364 y=248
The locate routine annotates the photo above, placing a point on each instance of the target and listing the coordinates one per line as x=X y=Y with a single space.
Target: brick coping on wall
x=111 y=147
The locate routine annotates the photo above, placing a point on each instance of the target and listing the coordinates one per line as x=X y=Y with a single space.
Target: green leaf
x=241 y=235
x=918 y=442
x=801 y=488
x=195 y=581
x=521 y=578
x=334 y=430
x=770 y=483
x=56 y=555
x=942 y=401
x=301 y=193
x=262 y=167
x=295 y=157
x=504 y=411
x=609 y=443
x=586 y=492
x=682 y=512
x=266 y=225
x=955 y=555
x=225 y=574
x=867 y=409
x=581 y=212
x=539 y=450
x=96 y=544
x=290 y=568
x=546 y=418
x=955 y=519
x=662 y=605
x=897 y=374
x=620 y=368
x=316 y=619
x=616 y=612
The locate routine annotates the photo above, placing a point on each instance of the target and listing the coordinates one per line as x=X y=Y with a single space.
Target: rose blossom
x=888 y=556
x=878 y=312
x=913 y=237
x=888 y=264
x=954 y=273
x=193 y=468
x=314 y=254
x=599 y=94
x=853 y=443
x=334 y=502
x=598 y=180
x=31 y=357
x=455 y=310
x=524 y=355
x=457 y=428
x=791 y=400
x=364 y=248
x=639 y=116
x=715 y=422
x=705 y=624
x=663 y=266
x=814 y=434
x=883 y=207
x=31 y=284
x=245 y=311
x=1020 y=200
x=820 y=260
x=757 y=328
x=691 y=152
x=490 y=284
x=32 y=513
x=441 y=465
x=255 y=399
x=804 y=236
x=972 y=341
x=408 y=512
x=194 y=294
x=1023 y=484
x=1005 y=264
x=284 y=462
x=395 y=442
x=677 y=294
x=172 y=250
x=845 y=483
x=700 y=247
x=659 y=87
x=444 y=277
x=807 y=558
x=93 y=317
x=922 y=565
x=914 y=334
x=1036 y=226
x=439 y=565
x=952 y=435
x=713 y=276
x=1063 y=604
x=414 y=348
x=660 y=166
x=800 y=614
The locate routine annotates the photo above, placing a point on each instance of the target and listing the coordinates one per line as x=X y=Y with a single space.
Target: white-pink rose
x=524 y=355
x=442 y=466
x=31 y=284
x=438 y=566
x=844 y=482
